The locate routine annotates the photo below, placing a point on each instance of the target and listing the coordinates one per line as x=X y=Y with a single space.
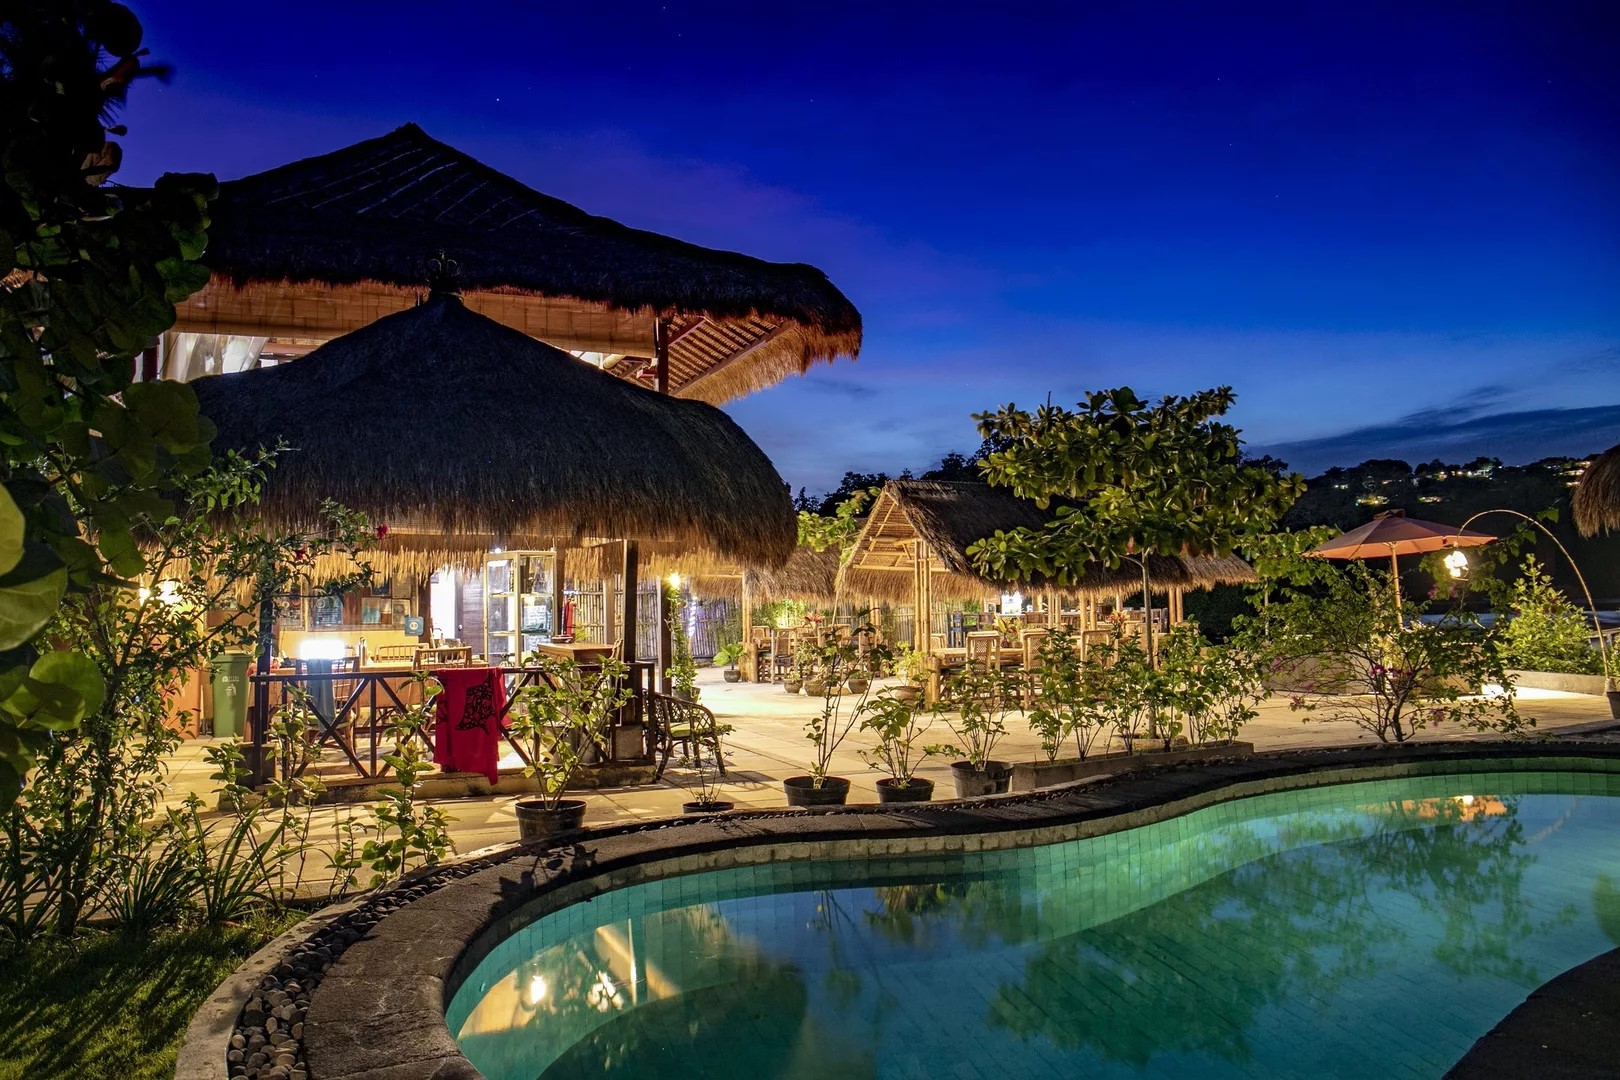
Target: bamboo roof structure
x=1595 y=501
x=944 y=518
x=467 y=433
x=314 y=249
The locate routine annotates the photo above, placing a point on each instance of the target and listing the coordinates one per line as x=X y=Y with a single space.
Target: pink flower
x=382 y=531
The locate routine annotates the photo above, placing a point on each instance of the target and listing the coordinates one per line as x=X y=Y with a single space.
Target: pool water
x=1357 y=930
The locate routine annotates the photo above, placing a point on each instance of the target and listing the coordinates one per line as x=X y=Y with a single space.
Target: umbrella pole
x=1395 y=576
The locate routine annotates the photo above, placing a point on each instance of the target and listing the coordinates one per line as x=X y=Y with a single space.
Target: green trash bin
x=230 y=694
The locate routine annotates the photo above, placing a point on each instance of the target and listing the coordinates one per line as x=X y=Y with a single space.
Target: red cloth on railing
x=466 y=729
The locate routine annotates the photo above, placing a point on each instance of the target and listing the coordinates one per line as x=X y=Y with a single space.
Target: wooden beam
x=661 y=358
x=741 y=354
x=627 y=625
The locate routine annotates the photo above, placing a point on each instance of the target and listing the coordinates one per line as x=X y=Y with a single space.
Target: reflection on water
x=1368 y=929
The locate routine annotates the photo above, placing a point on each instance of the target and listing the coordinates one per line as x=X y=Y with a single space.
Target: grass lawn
x=104 y=1006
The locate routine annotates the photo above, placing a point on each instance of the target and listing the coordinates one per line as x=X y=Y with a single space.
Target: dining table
x=581 y=652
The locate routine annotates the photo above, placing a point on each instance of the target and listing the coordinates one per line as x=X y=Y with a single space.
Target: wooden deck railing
x=352 y=713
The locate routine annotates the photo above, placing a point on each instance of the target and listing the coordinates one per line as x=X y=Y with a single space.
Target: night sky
x=1393 y=228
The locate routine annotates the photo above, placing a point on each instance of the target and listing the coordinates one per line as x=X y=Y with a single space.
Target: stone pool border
x=391 y=964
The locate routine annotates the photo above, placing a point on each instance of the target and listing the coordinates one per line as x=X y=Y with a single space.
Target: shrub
x=1547 y=632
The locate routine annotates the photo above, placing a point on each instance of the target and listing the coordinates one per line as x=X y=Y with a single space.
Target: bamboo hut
x=808 y=576
x=913 y=549
x=314 y=249
x=466 y=432
x=1596 y=499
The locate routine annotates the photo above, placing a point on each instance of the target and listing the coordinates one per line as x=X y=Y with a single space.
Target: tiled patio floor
x=768 y=744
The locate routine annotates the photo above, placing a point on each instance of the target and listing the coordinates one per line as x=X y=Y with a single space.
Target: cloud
x=1515 y=437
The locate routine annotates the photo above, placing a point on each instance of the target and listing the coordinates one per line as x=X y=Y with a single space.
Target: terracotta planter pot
x=815 y=688
x=801 y=791
x=859 y=686
x=718 y=806
x=792 y=686
x=537 y=821
x=972 y=783
x=918 y=790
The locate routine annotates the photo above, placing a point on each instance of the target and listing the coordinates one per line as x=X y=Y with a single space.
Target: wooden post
x=750 y=655
x=627 y=624
x=559 y=598
x=922 y=600
x=661 y=355
x=666 y=643
x=611 y=630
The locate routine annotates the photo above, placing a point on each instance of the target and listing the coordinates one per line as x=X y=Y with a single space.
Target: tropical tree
x=1130 y=479
x=89 y=276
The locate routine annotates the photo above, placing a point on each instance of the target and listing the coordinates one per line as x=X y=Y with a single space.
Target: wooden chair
x=392 y=654
x=430 y=656
x=1029 y=642
x=782 y=647
x=676 y=721
x=1089 y=639
x=984 y=649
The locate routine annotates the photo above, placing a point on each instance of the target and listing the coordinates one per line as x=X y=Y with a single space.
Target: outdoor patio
x=767 y=743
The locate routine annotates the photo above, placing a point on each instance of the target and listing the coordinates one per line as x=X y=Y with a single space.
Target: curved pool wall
x=1259 y=935
x=382 y=1003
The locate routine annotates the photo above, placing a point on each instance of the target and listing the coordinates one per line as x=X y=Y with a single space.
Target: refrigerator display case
x=519 y=595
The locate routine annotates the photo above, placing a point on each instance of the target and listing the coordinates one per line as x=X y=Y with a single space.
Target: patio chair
x=1030 y=642
x=676 y=721
x=392 y=654
x=984 y=649
x=782 y=643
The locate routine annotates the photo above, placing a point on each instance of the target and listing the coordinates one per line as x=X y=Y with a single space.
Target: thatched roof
x=1596 y=499
x=948 y=517
x=809 y=576
x=321 y=246
x=447 y=421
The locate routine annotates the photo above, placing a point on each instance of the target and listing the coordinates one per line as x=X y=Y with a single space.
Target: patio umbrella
x=1394 y=534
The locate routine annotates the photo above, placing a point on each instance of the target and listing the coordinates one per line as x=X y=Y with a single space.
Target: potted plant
x=912 y=668
x=870 y=660
x=559 y=726
x=894 y=722
x=728 y=655
x=828 y=728
x=819 y=678
x=705 y=790
x=682 y=668
x=804 y=662
x=975 y=703
x=1067 y=694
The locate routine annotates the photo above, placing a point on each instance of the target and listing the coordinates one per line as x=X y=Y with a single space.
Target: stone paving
x=768 y=744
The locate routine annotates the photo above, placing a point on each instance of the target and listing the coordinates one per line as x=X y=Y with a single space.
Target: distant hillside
x=1452 y=493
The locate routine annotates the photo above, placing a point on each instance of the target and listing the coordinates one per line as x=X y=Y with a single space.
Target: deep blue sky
x=1394 y=228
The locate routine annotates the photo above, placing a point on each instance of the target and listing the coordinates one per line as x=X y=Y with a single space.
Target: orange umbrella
x=1394 y=534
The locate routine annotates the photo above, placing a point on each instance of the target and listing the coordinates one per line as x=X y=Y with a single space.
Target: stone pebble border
x=359 y=992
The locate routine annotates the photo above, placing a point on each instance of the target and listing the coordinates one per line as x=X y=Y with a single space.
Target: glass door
x=499 y=616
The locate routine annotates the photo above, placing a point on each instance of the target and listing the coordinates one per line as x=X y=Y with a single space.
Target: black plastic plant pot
x=802 y=791
x=890 y=791
x=707 y=806
x=971 y=783
x=537 y=821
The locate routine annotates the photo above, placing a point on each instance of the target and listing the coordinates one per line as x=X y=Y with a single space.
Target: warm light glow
x=536 y=990
x=1012 y=603
x=322 y=648
x=675 y=579
x=1457 y=563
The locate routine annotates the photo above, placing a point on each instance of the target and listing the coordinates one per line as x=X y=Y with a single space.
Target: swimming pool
x=1366 y=929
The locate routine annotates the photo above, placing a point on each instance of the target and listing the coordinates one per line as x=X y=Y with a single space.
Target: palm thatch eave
x=448 y=420
x=1595 y=502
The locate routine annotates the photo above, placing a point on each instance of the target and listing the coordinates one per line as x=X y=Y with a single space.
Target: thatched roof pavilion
x=913 y=549
x=1596 y=499
x=809 y=576
x=466 y=431
x=314 y=249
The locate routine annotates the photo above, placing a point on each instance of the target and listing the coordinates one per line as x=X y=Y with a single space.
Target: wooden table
x=578 y=651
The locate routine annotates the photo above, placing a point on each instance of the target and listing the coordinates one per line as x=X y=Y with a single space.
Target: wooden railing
x=352 y=713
